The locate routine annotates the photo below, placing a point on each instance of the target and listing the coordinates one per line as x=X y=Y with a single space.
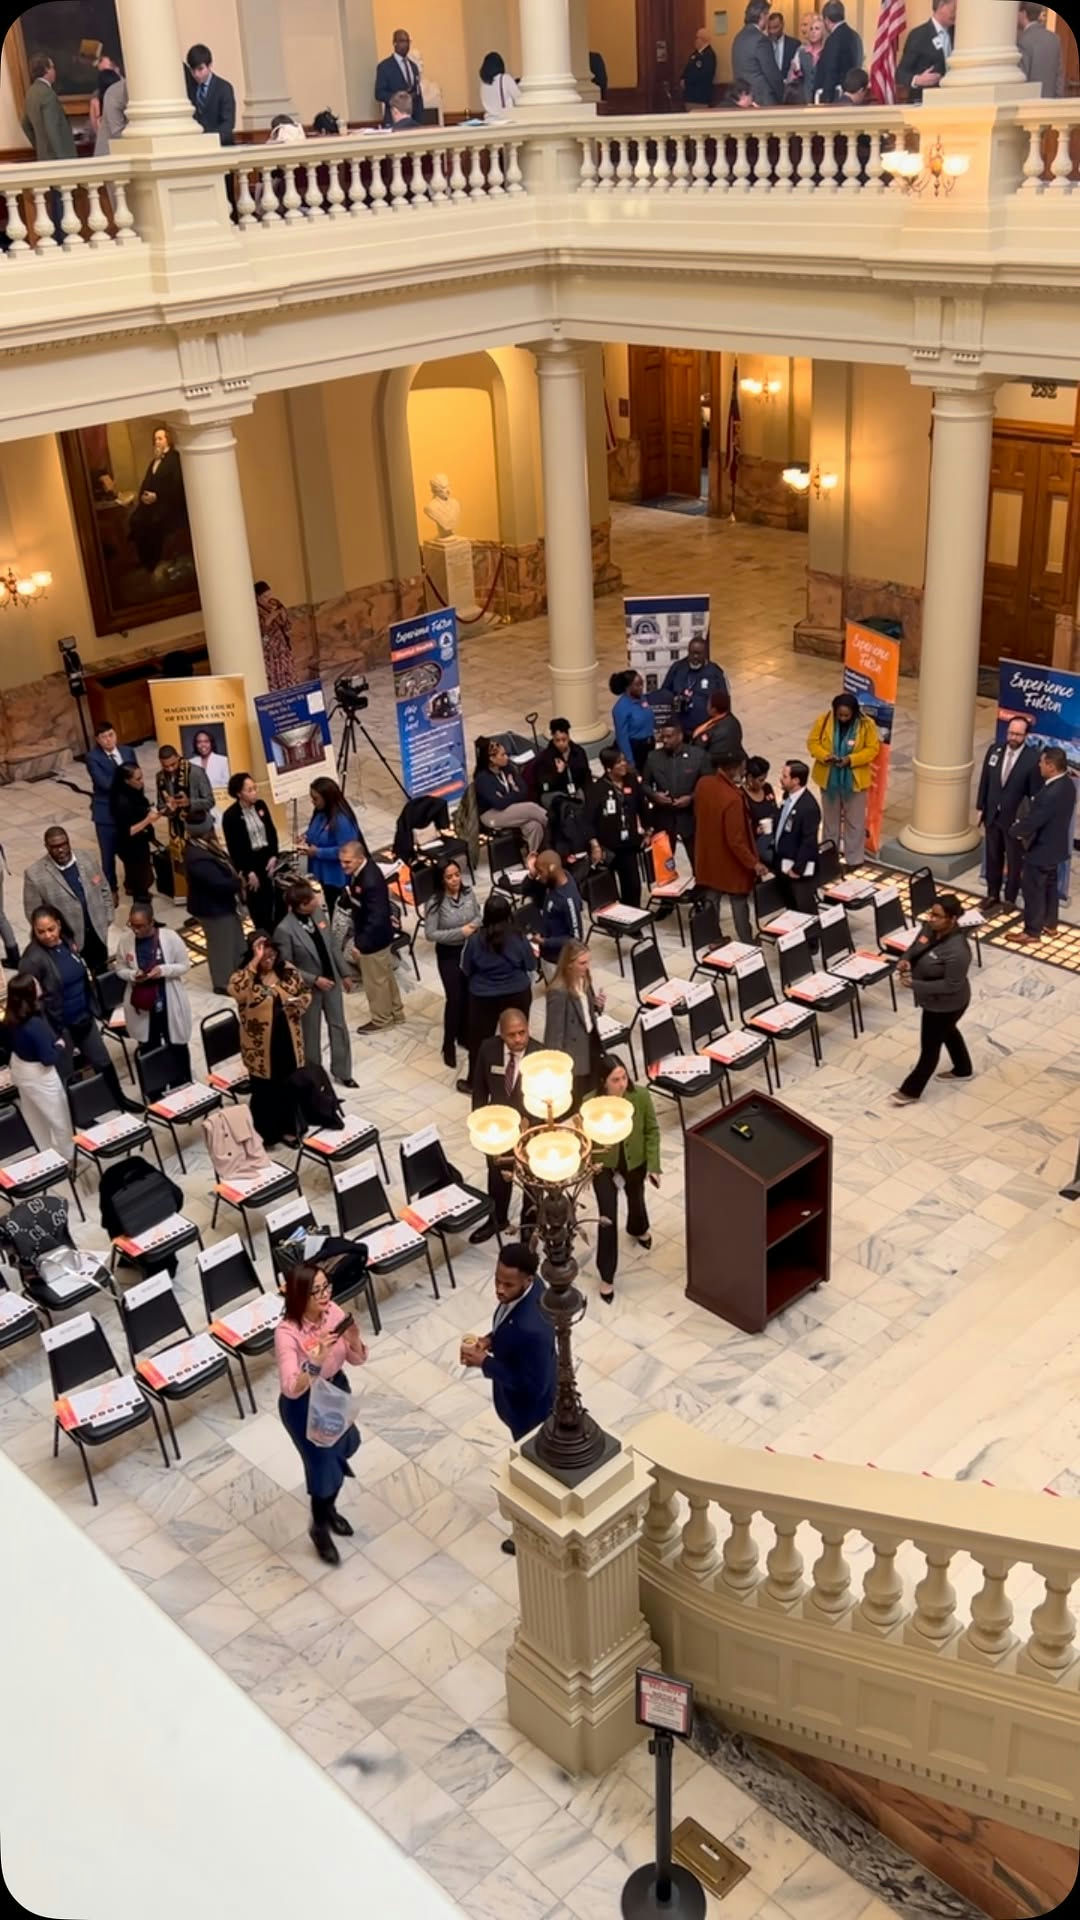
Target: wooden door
x=1031 y=545
x=648 y=418
x=683 y=410
x=657 y=72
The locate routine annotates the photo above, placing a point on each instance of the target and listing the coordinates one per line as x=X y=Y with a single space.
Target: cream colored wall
x=314 y=61
x=451 y=431
x=613 y=33
x=490 y=26
x=889 y=476
x=436 y=28
x=776 y=429
x=617 y=385
x=352 y=490
x=1014 y=401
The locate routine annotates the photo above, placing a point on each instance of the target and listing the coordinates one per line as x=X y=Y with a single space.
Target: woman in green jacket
x=638 y=1160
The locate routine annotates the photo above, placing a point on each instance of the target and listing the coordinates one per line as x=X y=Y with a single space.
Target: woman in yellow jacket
x=843 y=744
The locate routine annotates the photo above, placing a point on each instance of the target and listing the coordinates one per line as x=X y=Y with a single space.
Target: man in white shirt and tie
x=798 y=826
x=399 y=74
x=1009 y=780
x=497 y=1082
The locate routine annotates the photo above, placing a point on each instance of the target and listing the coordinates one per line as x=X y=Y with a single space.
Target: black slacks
x=1004 y=857
x=1040 y=897
x=625 y=863
x=607 y=1200
x=448 y=961
x=938 y=1030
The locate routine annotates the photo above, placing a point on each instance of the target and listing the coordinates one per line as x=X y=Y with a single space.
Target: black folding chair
x=834 y=885
x=229 y=1280
x=506 y=862
x=18 y=1319
x=658 y=899
x=139 y=1243
x=424 y=886
x=891 y=929
x=363 y=1211
x=108 y=990
x=357 y=1136
x=79 y=1361
x=164 y=1070
x=245 y=1203
x=425 y=1171
x=838 y=952
x=660 y=1044
x=225 y=1070
x=651 y=978
x=757 y=1000
x=708 y=1024
x=773 y=913
x=92 y=1106
x=281 y=1225
x=9 y=1092
x=922 y=893
x=799 y=981
x=601 y=894
x=21 y=1231
x=151 y=1314
x=18 y=1146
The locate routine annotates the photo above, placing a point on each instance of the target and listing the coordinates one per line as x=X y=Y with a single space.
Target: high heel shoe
x=607 y=1298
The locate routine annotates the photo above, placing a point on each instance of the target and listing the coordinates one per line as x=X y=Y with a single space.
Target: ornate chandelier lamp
x=553 y=1164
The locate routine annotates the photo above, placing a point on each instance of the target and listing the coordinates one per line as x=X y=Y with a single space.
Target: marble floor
x=945 y=1341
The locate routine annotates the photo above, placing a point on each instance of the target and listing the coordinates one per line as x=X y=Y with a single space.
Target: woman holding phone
x=313 y=1340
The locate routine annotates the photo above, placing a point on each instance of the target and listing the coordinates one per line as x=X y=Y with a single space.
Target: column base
x=573 y=693
x=943 y=866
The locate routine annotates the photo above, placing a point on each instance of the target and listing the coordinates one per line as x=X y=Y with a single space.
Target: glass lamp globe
x=607 y=1120
x=554 y=1155
x=494 y=1130
x=547 y=1084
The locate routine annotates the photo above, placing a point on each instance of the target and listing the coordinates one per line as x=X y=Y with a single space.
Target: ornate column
x=985 y=54
x=222 y=560
x=587 y=89
x=360 y=50
x=266 y=90
x=581 y=1635
x=952 y=617
x=547 y=67
x=154 y=65
x=560 y=368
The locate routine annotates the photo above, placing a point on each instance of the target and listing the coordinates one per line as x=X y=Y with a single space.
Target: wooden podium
x=758 y=1210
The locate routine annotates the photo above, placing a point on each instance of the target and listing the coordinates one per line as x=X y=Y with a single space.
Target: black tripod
x=350 y=745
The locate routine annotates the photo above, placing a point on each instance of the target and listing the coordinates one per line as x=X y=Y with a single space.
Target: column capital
x=557 y=355
x=201 y=432
x=972 y=397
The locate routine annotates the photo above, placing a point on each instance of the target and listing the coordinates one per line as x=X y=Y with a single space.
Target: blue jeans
x=106 y=839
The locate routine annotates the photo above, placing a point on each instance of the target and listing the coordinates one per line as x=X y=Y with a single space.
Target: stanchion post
x=666 y=1706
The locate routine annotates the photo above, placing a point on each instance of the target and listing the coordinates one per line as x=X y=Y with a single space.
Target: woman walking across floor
x=573 y=1008
x=213 y=895
x=937 y=966
x=454 y=914
x=313 y=1340
x=333 y=825
x=498 y=966
x=637 y=1160
x=37 y=1055
x=252 y=841
x=134 y=819
x=153 y=961
x=272 y=1000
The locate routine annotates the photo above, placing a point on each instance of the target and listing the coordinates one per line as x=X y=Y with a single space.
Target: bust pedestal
x=449 y=566
x=582 y=1634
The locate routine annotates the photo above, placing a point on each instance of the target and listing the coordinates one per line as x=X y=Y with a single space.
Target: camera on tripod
x=351 y=692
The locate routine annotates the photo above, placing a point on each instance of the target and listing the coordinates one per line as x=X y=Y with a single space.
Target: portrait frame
x=62 y=27
x=122 y=593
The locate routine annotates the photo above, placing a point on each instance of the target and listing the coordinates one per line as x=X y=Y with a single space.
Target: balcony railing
x=820 y=152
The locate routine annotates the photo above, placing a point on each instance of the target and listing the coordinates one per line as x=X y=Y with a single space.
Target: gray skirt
x=224 y=948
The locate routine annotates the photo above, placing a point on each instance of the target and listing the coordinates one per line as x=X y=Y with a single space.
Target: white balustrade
x=739 y=1572
x=783 y=1585
x=699 y=1555
x=785 y=153
x=881 y=1607
x=989 y=1633
x=934 y=1618
x=1053 y=1625
x=1052 y=161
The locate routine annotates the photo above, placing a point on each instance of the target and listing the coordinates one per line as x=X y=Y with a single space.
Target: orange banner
x=872 y=674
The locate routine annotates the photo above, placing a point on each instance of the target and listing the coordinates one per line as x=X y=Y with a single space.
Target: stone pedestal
x=570 y=1670
x=449 y=565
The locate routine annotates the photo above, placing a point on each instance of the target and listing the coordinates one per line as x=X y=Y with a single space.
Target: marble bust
x=442 y=509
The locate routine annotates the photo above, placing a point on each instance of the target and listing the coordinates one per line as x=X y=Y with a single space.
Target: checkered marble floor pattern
x=946 y=1341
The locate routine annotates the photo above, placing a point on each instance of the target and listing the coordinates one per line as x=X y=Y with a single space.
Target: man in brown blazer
x=725 y=855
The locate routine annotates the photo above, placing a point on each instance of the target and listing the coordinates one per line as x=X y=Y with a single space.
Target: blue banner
x=427 y=691
x=1048 y=698
x=659 y=629
x=295 y=731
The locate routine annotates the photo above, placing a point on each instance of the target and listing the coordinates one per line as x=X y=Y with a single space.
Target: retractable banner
x=427 y=692
x=872 y=674
x=206 y=720
x=295 y=731
x=659 y=629
x=1048 y=698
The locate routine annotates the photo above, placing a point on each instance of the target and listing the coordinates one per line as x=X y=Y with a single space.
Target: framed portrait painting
x=76 y=33
x=127 y=496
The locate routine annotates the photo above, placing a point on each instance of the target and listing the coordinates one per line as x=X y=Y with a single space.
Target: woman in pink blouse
x=314 y=1338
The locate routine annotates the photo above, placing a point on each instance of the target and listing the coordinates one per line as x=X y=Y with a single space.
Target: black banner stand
x=662 y=1887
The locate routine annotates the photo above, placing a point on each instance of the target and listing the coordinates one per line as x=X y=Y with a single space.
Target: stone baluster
x=268 y=193
x=16 y=225
x=804 y=172
x=875 y=182
x=335 y=192
x=515 y=179
x=399 y=192
x=476 y=176
x=680 y=174
x=44 y=237
x=244 y=198
x=699 y=1555
x=70 y=223
x=624 y=172
x=123 y=218
x=784 y=167
x=355 y=190
x=1061 y=165
x=458 y=182
x=605 y=173
x=587 y=169
x=313 y=194
x=419 y=188
x=97 y=219
x=700 y=168
x=852 y=169
x=762 y=170
x=934 y=1621
x=740 y=1573
x=380 y=199
x=1049 y=1651
x=829 y=168
x=989 y=1636
x=438 y=189
x=740 y=172
x=642 y=168
x=496 y=190
x=290 y=199
x=662 y=1518
x=783 y=1585
x=661 y=168
x=830 y=1595
x=1034 y=166
x=881 y=1607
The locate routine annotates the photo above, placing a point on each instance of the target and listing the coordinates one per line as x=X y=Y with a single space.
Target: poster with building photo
x=296 y=743
x=659 y=629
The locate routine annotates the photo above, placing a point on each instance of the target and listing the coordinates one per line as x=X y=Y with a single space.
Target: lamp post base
x=568 y=1470
x=641 y=1896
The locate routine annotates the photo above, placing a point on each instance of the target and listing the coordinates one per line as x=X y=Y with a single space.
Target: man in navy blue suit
x=798 y=825
x=1046 y=832
x=518 y=1355
x=103 y=763
x=399 y=74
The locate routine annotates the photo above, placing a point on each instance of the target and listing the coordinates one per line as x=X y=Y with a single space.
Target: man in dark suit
x=699 y=73
x=103 y=763
x=1042 y=53
x=1047 y=837
x=842 y=51
x=753 y=62
x=518 y=1355
x=402 y=118
x=783 y=46
x=497 y=1083
x=798 y=825
x=398 y=74
x=1009 y=778
x=303 y=938
x=926 y=53
x=212 y=98
x=162 y=507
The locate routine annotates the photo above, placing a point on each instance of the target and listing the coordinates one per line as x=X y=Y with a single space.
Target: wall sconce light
x=22 y=591
x=766 y=390
x=801 y=480
x=937 y=168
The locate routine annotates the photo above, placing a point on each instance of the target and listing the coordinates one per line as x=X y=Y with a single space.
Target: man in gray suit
x=304 y=938
x=753 y=58
x=44 y=121
x=73 y=886
x=1042 y=55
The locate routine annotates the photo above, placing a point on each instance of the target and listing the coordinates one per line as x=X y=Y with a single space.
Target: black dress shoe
x=486 y=1231
x=463 y=1086
x=351 y=1084
x=11 y=960
x=509 y=1547
x=325 y=1547
x=339 y=1525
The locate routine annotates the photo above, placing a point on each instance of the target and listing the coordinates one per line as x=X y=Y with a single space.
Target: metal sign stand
x=663 y=1887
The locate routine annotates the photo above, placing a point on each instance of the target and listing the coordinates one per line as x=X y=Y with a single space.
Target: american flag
x=891 y=27
x=734 y=434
